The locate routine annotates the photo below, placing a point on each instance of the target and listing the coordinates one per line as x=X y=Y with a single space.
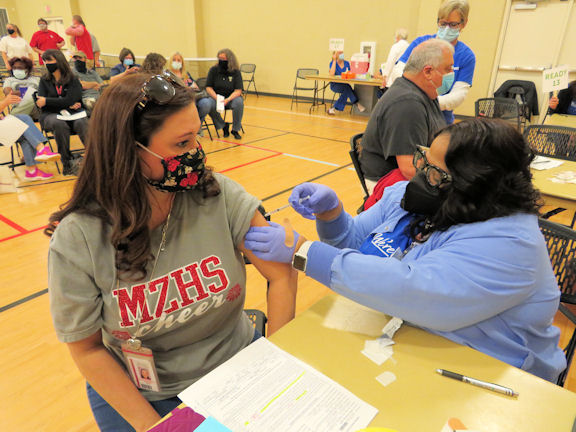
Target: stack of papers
x=543 y=163
x=263 y=388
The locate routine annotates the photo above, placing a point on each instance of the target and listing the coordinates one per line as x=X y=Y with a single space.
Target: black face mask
x=80 y=66
x=11 y=31
x=421 y=198
x=223 y=64
x=51 y=67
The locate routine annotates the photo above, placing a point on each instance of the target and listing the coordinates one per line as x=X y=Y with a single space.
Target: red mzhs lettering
x=217 y=272
x=131 y=305
x=184 y=286
x=164 y=281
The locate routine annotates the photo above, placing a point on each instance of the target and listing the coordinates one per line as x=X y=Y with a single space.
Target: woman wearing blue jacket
x=456 y=251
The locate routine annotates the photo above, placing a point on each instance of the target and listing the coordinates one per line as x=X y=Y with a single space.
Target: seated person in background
x=176 y=66
x=224 y=79
x=34 y=144
x=452 y=18
x=23 y=84
x=565 y=102
x=60 y=90
x=396 y=50
x=337 y=66
x=153 y=64
x=45 y=39
x=14 y=45
x=126 y=65
x=407 y=116
x=469 y=262
x=90 y=80
x=80 y=37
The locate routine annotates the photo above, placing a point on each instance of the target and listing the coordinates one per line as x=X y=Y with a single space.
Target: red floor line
x=22 y=234
x=250 y=163
x=248 y=145
x=13 y=224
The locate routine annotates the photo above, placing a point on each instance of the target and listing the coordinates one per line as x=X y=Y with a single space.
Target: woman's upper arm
x=269 y=269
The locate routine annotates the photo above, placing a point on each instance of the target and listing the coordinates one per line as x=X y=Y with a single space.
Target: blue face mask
x=447 y=81
x=448 y=34
x=341 y=56
x=128 y=62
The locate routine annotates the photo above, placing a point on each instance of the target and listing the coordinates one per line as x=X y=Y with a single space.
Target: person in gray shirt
x=90 y=80
x=146 y=273
x=407 y=116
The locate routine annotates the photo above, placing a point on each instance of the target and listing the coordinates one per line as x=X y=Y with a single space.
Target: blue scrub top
x=339 y=70
x=464 y=64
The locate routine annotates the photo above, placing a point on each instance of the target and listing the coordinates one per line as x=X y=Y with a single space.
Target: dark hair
x=490 y=166
x=111 y=185
x=79 y=19
x=153 y=64
x=572 y=87
x=26 y=60
x=232 y=60
x=66 y=74
x=42 y=20
x=124 y=53
x=16 y=29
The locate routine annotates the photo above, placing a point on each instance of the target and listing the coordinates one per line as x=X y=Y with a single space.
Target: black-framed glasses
x=160 y=89
x=435 y=176
x=452 y=24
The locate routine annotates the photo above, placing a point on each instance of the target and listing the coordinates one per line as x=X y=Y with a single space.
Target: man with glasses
x=452 y=19
x=407 y=116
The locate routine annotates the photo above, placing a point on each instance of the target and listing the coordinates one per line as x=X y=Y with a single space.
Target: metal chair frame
x=502 y=108
x=301 y=75
x=250 y=70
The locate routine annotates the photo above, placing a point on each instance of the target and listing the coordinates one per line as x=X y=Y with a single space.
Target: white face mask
x=19 y=73
x=176 y=65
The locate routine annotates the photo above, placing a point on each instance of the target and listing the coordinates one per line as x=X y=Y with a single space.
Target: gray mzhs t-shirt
x=190 y=311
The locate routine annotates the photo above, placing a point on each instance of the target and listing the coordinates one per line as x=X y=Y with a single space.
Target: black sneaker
x=226 y=130
x=71 y=168
x=236 y=135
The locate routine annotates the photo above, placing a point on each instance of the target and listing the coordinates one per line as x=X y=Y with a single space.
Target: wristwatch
x=301 y=257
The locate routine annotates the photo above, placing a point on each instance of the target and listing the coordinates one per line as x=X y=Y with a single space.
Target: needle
x=300 y=201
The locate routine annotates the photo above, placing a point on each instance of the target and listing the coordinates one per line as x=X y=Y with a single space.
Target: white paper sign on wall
x=555 y=79
x=336 y=44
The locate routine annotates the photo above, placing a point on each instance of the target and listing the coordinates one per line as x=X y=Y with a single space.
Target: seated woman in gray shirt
x=145 y=264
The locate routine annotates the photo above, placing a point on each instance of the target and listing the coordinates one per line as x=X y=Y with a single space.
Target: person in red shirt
x=45 y=39
x=80 y=38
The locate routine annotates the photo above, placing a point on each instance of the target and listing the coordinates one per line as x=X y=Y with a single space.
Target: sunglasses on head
x=159 y=89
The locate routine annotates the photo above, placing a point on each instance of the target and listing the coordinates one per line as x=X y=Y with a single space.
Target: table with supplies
x=556 y=184
x=332 y=334
x=364 y=88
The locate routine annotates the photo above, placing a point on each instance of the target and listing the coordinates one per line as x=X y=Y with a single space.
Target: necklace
x=134 y=342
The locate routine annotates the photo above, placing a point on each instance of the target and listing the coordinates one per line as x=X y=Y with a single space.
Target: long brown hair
x=66 y=74
x=111 y=185
x=153 y=64
x=232 y=60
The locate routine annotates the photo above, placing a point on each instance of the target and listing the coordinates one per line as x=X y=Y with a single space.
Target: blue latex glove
x=320 y=199
x=269 y=243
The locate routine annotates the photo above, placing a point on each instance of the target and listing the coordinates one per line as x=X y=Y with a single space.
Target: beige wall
x=10 y=6
x=277 y=36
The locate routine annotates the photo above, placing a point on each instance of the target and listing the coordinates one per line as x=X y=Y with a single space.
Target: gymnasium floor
x=40 y=388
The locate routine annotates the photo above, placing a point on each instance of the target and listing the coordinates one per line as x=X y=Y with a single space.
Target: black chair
x=501 y=108
x=248 y=70
x=299 y=85
x=355 y=156
x=558 y=142
x=201 y=83
x=561 y=243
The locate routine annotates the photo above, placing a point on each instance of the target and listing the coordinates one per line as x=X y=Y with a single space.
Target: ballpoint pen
x=490 y=386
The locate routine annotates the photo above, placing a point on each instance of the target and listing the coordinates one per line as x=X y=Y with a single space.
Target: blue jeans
x=208 y=106
x=109 y=420
x=30 y=139
x=346 y=93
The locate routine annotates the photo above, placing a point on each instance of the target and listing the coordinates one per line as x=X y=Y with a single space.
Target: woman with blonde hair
x=14 y=45
x=452 y=19
x=224 y=79
x=177 y=67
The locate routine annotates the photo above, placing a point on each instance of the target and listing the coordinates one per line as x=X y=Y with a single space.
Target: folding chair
x=355 y=156
x=558 y=142
x=502 y=108
x=13 y=164
x=561 y=243
x=301 y=75
x=249 y=69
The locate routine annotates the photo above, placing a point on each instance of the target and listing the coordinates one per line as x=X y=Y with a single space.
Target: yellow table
x=561 y=120
x=556 y=194
x=421 y=400
x=365 y=89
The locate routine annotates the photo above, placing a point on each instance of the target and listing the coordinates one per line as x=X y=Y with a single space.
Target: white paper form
x=11 y=128
x=220 y=107
x=263 y=388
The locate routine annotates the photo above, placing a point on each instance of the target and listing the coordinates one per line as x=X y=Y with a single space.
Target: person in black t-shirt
x=224 y=79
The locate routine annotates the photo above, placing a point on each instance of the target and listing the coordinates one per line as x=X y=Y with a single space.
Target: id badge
x=141 y=366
